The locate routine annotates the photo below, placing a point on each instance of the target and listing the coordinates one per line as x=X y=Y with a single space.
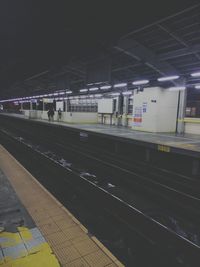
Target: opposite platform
x=188 y=144
x=43 y=232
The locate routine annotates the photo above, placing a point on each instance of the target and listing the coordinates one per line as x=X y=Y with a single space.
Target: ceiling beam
x=180 y=52
x=146 y=56
x=194 y=7
x=177 y=38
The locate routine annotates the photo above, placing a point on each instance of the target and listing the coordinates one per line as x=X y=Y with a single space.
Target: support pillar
x=181 y=111
x=125 y=111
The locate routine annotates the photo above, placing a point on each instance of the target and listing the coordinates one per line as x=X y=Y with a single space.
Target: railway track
x=182 y=193
x=155 y=237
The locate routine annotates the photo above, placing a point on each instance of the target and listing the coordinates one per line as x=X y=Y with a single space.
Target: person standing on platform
x=59 y=114
x=52 y=114
x=49 y=114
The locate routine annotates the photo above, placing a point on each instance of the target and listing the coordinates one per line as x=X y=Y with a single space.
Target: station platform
x=37 y=230
x=187 y=144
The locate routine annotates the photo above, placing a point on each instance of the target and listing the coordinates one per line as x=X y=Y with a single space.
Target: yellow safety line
x=22 y=249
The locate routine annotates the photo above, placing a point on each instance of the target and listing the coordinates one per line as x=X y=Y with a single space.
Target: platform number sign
x=144 y=107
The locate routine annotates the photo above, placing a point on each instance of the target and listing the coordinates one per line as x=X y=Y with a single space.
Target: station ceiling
x=47 y=46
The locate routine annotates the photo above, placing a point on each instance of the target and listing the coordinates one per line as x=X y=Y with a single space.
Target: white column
x=181 y=111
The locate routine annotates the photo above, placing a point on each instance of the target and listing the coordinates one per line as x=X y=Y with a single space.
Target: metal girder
x=37 y=75
x=177 y=38
x=162 y=20
x=143 y=54
x=180 y=52
x=126 y=67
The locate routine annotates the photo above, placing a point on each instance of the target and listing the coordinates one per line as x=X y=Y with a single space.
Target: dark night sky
x=36 y=35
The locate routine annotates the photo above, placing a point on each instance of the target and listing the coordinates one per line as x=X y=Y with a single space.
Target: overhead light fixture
x=98 y=95
x=168 y=78
x=83 y=90
x=140 y=82
x=127 y=93
x=93 y=89
x=95 y=83
x=105 y=87
x=68 y=92
x=197 y=86
x=118 y=85
x=61 y=93
x=115 y=94
x=195 y=74
x=177 y=88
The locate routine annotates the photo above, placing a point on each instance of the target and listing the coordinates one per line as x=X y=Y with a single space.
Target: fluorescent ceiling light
x=115 y=94
x=61 y=93
x=105 y=87
x=127 y=93
x=195 y=74
x=140 y=82
x=168 y=78
x=68 y=92
x=197 y=86
x=83 y=90
x=94 y=83
x=98 y=95
x=177 y=88
x=93 y=89
x=118 y=85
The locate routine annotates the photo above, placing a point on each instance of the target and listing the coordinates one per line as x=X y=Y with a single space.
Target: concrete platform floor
x=188 y=142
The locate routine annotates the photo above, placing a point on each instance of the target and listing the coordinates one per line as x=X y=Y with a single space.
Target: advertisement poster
x=137 y=116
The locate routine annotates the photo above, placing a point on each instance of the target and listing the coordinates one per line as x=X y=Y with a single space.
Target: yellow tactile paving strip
x=26 y=248
x=68 y=239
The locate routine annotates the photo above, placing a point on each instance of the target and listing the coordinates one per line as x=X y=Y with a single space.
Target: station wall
x=69 y=117
x=155 y=110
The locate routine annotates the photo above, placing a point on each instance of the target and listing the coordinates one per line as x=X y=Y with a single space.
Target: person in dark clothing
x=59 y=114
x=52 y=114
x=48 y=113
